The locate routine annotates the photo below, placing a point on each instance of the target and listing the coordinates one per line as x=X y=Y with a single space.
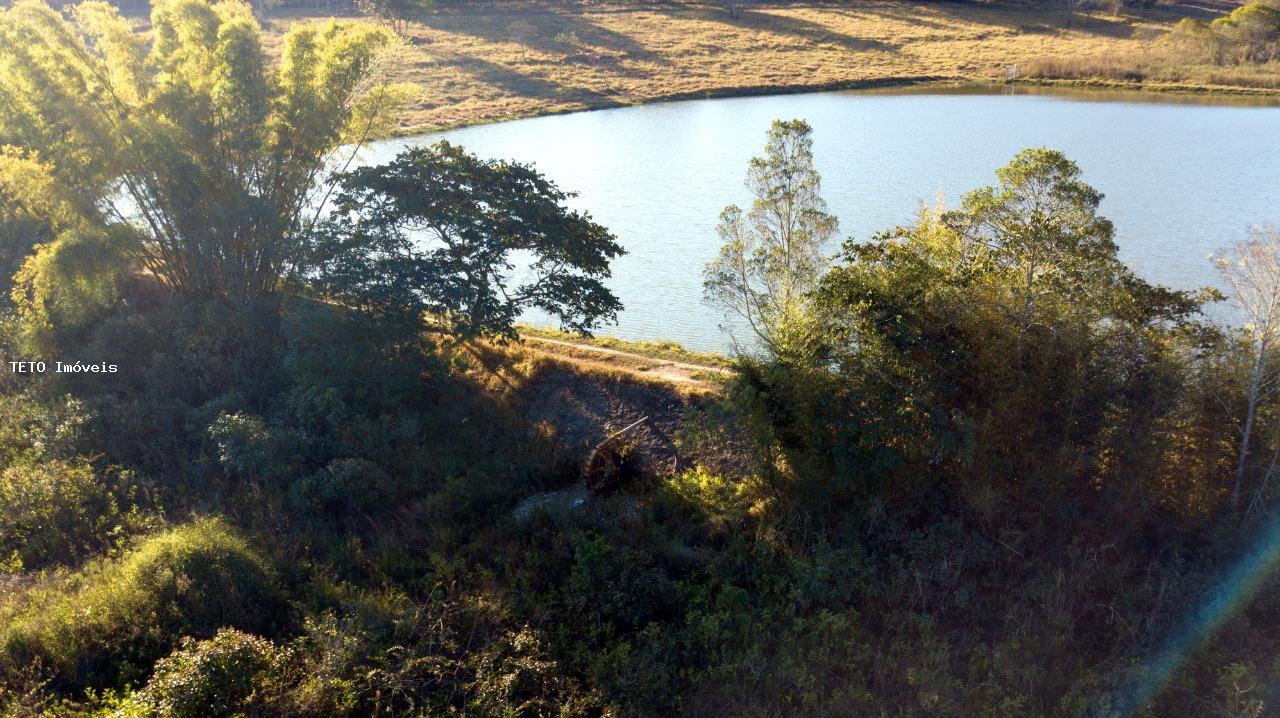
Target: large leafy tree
x=772 y=254
x=214 y=155
x=1040 y=231
x=438 y=232
x=1002 y=344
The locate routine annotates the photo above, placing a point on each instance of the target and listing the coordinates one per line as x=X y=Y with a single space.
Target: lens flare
x=1231 y=594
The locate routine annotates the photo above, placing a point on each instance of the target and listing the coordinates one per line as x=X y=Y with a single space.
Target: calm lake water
x=1182 y=176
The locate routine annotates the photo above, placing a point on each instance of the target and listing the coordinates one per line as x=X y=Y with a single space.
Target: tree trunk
x=1255 y=384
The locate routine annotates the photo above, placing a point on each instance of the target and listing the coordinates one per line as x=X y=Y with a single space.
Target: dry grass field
x=482 y=62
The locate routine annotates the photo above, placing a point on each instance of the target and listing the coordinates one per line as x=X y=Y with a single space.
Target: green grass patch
x=108 y=622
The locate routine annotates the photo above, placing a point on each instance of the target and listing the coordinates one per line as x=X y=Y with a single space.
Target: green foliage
x=70 y=283
x=32 y=430
x=60 y=512
x=345 y=490
x=989 y=460
x=434 y=231
x=1251 y=30
x=180 y=367
x=979 y=344
x=217 y=151
x=106 y=623
x=33 y=208
x=1250 y=33
x=710 y=494
x=245 y=446
x=1039 y=233
x=219 y=677
x=1239 y=686
x=772 y=255
x=395 y=13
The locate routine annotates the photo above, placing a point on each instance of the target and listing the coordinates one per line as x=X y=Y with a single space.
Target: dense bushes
x=1250 y=33
x=220 y=677
x=345 y=490
x=106 y=622
x=59 y=512
x=71 y=282
x=60 y=509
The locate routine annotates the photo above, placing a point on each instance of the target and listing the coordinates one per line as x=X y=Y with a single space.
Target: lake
x=1183 y=176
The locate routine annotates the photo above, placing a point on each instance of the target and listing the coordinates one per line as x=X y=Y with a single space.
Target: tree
x=395 y=13
x=1251 y=271
x=987 y=344
x=435 y=231
x=1251 y=32
x=772 y=255
x=219 y=156
x=1040 y=227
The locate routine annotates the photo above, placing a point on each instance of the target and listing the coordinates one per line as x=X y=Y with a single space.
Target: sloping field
x=482 y=62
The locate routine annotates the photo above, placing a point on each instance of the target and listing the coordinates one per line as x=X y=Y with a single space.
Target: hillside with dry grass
x=485 y=62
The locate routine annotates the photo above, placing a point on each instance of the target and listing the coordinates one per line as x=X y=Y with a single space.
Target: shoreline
x=1097 y=84
x=484 y=63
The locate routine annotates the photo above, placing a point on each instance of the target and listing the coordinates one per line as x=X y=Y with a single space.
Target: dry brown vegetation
x=491 y=61
x=1161 y=67
x=574 y=396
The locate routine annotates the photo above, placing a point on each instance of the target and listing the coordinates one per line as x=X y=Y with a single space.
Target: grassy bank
x=1159 y=68
x=495 y=61
x=666 y=350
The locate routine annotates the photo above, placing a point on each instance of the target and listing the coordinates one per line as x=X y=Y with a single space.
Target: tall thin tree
x=1251 y=271
x=772 y=255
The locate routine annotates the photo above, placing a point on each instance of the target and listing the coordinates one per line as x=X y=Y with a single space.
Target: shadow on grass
x=1030 y=20
x=563 y=33
x=800 y=29
x=505 y=78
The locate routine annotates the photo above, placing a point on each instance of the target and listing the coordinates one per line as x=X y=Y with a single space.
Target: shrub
x=30 y=431
x=344 y=489
x=108 y=622
x=712 y=494
x=516 y=675
x=244 y=443
x=1252 y=31
x=250 y=449
x=60 y=512
x=68 y=283
x=214 y=678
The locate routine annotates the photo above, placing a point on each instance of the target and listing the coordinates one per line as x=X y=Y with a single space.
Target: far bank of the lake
x=479 y=63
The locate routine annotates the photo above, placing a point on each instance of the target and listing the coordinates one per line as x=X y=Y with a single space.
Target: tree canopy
x=974 y=336
x=214 y=154
x=440 y=231
x=772 y=254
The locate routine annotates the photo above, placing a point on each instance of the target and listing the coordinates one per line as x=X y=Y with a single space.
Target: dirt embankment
x=576 y=396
